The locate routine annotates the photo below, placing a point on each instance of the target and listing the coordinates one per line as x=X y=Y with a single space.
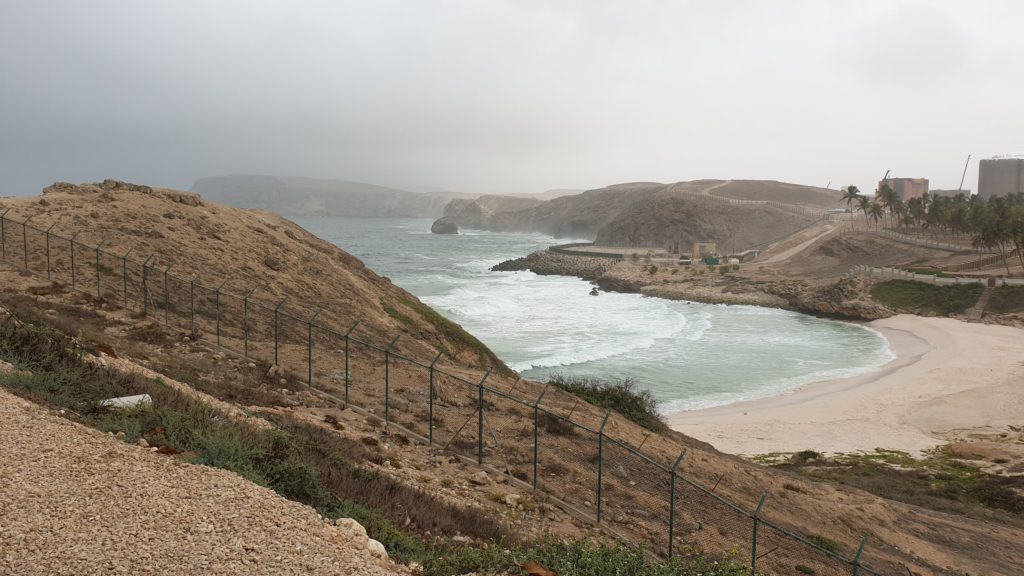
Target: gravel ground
x=77 y=501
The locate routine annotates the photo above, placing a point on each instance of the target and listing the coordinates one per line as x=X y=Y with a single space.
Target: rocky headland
x=847 y=297
x=656 y=214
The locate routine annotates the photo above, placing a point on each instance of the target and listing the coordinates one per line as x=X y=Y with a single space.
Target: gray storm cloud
x=486 y=96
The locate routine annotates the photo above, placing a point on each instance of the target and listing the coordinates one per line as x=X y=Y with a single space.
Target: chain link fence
x=544 y=444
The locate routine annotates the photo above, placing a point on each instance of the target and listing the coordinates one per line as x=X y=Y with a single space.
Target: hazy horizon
x=507 y=97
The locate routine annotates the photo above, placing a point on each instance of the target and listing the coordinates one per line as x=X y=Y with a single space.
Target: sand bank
x=948 y=377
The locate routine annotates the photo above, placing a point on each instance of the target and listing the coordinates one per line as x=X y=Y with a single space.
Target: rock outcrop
x=444 y=225
x=479 y=214
x=846 y=298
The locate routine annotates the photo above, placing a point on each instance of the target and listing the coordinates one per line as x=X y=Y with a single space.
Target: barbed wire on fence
x=578 y=464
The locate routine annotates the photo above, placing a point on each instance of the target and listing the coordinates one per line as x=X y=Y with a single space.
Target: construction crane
x=966 y=164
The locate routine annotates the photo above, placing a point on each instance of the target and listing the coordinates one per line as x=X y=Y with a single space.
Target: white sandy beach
x=948 y=377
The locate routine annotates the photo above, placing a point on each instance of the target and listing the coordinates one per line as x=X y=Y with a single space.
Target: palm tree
x=876 y=211
x=887 y=196
x=850 y=194
x=916 y=210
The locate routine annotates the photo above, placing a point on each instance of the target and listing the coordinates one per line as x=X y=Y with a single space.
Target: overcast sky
x=518 y=96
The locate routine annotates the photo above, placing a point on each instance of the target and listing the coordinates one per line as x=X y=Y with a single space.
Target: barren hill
x=773 y=191
x=310 y=196
x=738 y=213
x=247 y=250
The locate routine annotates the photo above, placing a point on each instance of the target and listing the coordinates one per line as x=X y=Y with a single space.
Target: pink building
x=906 y=188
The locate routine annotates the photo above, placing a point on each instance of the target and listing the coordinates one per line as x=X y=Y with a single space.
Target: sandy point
x=949 y=379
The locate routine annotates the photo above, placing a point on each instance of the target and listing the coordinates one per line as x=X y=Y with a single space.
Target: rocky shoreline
x=846 y=298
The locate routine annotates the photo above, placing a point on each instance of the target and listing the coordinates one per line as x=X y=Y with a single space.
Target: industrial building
x=906 y=188
x=1000 y=176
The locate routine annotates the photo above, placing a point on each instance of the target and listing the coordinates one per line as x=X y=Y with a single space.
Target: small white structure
x=128 y=402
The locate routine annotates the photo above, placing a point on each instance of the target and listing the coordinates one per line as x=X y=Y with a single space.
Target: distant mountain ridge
x=297 y=196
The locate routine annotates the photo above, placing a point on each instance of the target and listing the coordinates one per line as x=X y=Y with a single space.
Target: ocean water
x=688 y=355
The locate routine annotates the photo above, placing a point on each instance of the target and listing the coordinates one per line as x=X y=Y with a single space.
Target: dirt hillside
x=245 y=249
x=107 y=507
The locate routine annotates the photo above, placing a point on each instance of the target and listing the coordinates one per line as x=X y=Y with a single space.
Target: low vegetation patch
x=930 y=272
x=301 y=462
x=574 y=559
x=636 y=405
x=939 y=481
x=1006 y=300
x=926 y=299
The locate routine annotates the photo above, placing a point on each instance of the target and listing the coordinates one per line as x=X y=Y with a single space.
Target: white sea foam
x=689 y=355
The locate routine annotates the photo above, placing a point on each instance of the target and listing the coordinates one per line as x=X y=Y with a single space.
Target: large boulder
x=444 y=225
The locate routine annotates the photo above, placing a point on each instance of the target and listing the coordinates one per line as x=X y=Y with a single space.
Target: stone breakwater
x=551 y=264
x=844 y=298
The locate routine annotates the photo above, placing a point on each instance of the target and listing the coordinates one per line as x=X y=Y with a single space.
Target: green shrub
x=639 y=406
x=805 y=455
x=575 y=559
x=826 y=543
x=930 y=272
x=926 y=299
x=1006 y=300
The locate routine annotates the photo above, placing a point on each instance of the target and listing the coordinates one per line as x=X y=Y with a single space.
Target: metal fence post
x=347 y=334
x=245 y=323
x=145 y=281
x=672 y=503
x=48 y=277
x=856 y=558
x=753 y=542
x=277 y=332
x=167 y=300
x=309 y=346
x=24 y=238
x=124 y=275
x=536 y=432
x=480 y=419
x=387 y=381
x=98 y=248
x=72 y=242
x=216 y=300
x=3 y=235
x=600 y=462
x=430 y=399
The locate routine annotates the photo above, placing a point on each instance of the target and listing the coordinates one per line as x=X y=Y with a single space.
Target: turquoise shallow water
x=688 y=355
